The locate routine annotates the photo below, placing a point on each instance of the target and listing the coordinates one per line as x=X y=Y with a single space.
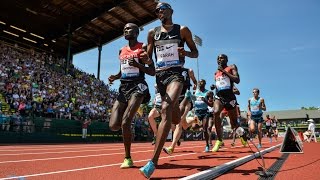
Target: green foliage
x=309 y=108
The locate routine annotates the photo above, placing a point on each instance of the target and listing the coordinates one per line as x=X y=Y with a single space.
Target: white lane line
x=86 y=156
x=95 y=155
x=82 y=147
x=63 y=147
x=77 y=151
x=87 y=168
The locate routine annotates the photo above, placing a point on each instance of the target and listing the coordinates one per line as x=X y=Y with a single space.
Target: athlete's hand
x=111 y=79
x=145 y=58
x=194 y=87
x=132 y=62
x=182 y=52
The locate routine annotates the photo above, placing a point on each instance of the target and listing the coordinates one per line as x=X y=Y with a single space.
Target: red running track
x=102 y=161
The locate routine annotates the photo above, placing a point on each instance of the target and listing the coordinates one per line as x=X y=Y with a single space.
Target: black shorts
x=165 y=77
x=228 y=100
x=201 y=113
x=133 y=88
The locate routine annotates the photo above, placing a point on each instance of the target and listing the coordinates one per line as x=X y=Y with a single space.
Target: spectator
x=311 y=131
x=85 y=125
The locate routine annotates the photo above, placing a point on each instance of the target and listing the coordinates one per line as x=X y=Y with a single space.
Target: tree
x=309 y=108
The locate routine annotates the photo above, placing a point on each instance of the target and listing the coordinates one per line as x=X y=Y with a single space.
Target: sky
x=273 y=43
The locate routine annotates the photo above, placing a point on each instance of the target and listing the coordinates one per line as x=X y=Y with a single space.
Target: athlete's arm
x=150 y=40
x=263 y=105
x=186 y=35
x=249 y=108
x=236 y=90
x=145 y=58
x=112 y=78
x=234 y=75
x=148 y=70
x=193 y=78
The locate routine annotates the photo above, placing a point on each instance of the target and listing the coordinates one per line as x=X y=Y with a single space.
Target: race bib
x=158 y=99
x=167 y=55
x=223 y=82
x=128 y=71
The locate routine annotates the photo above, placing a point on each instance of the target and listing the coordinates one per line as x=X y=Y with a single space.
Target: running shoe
x=207 y=149
x=233 y=144
x=148 y=169
x=217 y=146
x=259 y=146
x=243 y=141
x=168 y=150
x=127 y=163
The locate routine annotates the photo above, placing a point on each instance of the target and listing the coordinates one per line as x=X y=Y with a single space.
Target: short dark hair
x=203 y=81
x=222 y=55
x=134 y=26
x=257 y=90
x=212 y=87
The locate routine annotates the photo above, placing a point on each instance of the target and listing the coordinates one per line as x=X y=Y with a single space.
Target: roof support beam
x=128 y=11
x=115 y=16
x=144 y=8
x=107 y=23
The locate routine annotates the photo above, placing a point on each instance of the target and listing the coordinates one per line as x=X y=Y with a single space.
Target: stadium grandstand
x=40 y=89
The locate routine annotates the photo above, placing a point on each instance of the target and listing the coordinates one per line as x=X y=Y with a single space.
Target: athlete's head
x=202 y=83
x=267 y=116
x=212 y=87
x=163 y=11
x=222 y=59
x=256 y=92
x=130 y=31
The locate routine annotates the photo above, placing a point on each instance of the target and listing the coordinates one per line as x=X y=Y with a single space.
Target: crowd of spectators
x=34 y=84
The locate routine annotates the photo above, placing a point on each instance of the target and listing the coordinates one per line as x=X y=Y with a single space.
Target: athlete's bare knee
x=114 y=127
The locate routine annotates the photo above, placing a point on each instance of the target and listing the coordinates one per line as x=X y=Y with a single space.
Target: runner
x=268 y=131
x=256 y=105
x=274 y=126
x=225 y=78
x=224 y=113
x=203 y=99
x=167 y=41
x=155 y=113
x=133 y=89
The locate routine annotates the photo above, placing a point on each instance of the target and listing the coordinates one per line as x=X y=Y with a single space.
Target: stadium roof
x=44 y=23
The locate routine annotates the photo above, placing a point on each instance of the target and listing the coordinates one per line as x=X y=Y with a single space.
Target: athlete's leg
x=260 y=132
x=131 y=110
x=210 y=125
x=116 y=115
x=178 y=130
x=217 y=123
x=151 y=118
x=217 y=120
x=168 y=101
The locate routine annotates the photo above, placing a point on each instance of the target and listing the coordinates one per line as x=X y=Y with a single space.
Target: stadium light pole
x=198 y=42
